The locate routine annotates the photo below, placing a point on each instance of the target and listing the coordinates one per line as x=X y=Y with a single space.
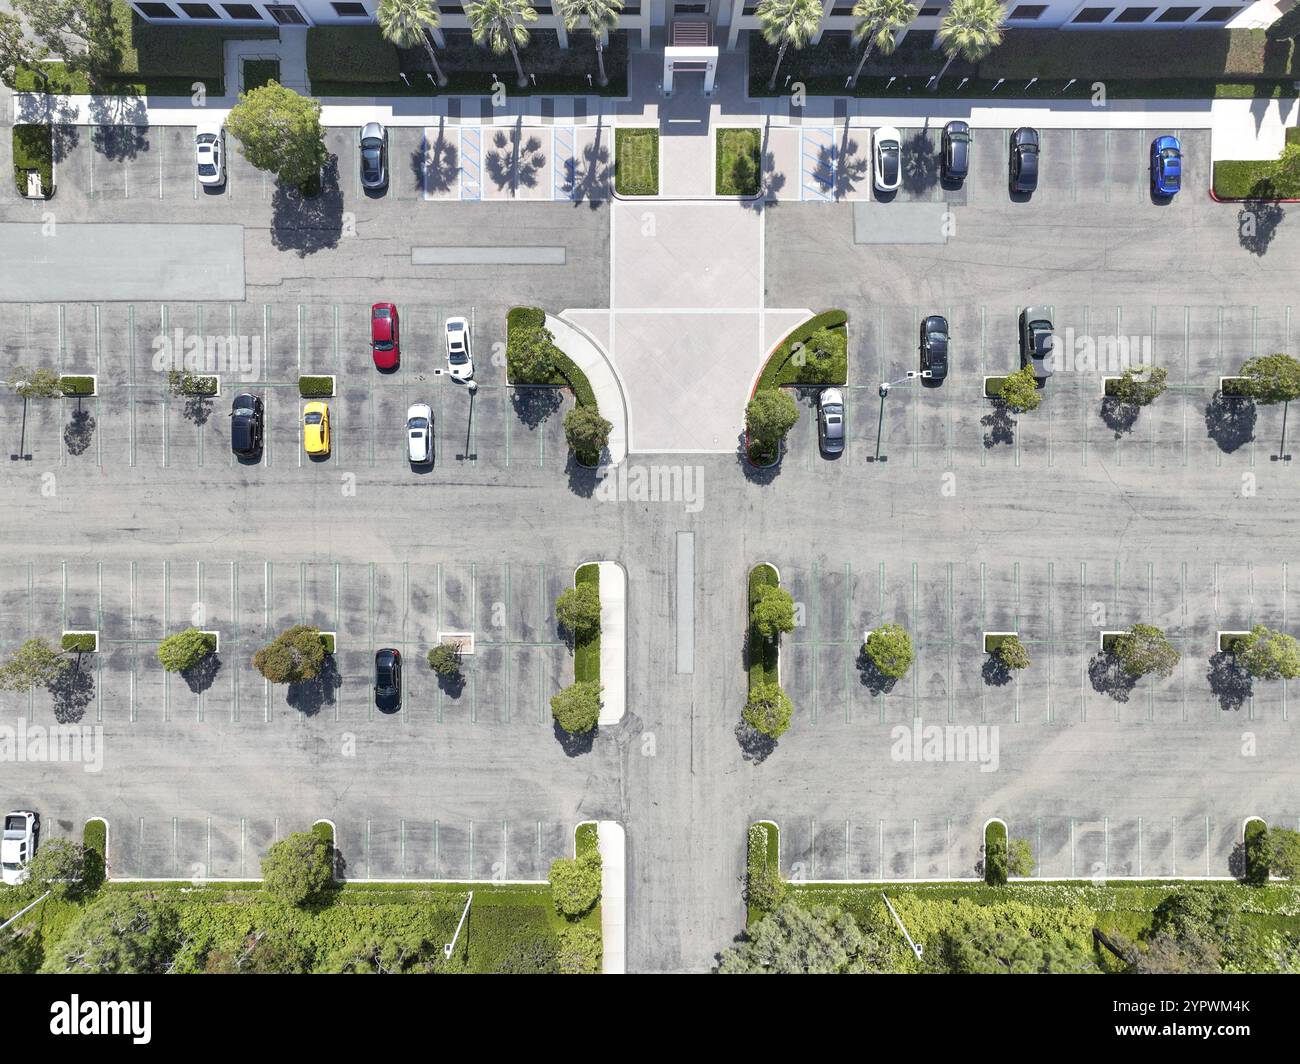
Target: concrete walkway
x=613 y=896
x=290 y=50
x=613 y=642
x=580 y=346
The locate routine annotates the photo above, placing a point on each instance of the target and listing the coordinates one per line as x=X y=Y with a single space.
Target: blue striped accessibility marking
x=818 y=160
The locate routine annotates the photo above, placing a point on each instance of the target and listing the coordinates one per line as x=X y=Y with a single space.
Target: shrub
x=781 y=369
x=1256 y=852
x=1012 y=653
x=768 y=710
x=823 y=358
x=298 y=869
x=1019 y=391
x=184 y=650
x=1118 y=54
x=1268 y=655
x=995 y=855
x=296 y=654
x=94 y=842
x=578 y=610
x=33 y=149
x=1020 y=858
x=531 y=355
x=576 y=709
x=580 y=951
x=1139 y=385
x=316 y=387
x=764 y=887
x=889 y=648
x=1144 y=649
x=59 y=866
x=768 y=417
x=587 y=433
x=444 y=659
x=80 y=642
x=575 y=884
x=771 y=611
x=182 y=382
x=1284 y=852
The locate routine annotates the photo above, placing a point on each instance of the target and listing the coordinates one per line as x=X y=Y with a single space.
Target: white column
x=709 y=70
x=668 y=76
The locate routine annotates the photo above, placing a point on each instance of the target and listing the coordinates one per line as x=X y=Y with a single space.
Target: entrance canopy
x=692 y=50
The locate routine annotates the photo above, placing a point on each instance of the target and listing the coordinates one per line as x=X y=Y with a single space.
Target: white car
x=18 y=844
x=460 y=364
x=887 y=159
x=210 y=155
x=419 y=434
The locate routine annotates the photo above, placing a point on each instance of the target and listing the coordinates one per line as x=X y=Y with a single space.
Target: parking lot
x=264 y=349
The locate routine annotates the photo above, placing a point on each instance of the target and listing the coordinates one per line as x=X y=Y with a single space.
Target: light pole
x=471 y=386
x=911 y=374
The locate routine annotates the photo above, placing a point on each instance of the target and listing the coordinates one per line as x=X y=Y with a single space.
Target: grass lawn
x=76 y=385
x=771 y=857
x=1256 y=178
x=636 y=161
x=992 y=642
x=259 y=72
x=763 y=653
x=1071 y=909
x=738 y=163
x=991 y=387
x=586 y=652
x=586 y=839
x=33 y=150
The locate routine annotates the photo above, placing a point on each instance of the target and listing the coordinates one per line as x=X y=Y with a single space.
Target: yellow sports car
x=316 y=428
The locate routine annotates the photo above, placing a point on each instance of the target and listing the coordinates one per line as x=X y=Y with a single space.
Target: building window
x=1176 y=14
x=245 y=12
x=156 y=11
x=1093 y=14
x=690 y=9
x=1135 y=14
x=451 y=9
x=1218 y=14
x=929 y=12
x=631 y=9
x=350 y=10
x=200 y=11
x=749 y=9
x=1028 y=12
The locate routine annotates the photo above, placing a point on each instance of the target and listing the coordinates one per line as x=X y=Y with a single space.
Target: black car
x=934 y=346
x=1024 y=160
x=388 y=680
x=246 y=425
x=956 y=151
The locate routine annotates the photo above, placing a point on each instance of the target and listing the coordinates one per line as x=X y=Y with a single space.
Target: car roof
x=372 y=129
x=957 y=126
x=830 y=395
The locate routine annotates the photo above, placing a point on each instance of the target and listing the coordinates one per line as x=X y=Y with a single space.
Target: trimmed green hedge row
x=586 y=652
x=315 y=387
x=586 y=839
x=763 y=652
x=77 y=385
x=777 y=373
x=567 y=370
x=83 y=642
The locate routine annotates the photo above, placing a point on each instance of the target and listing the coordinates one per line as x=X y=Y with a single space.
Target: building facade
x=730 y=17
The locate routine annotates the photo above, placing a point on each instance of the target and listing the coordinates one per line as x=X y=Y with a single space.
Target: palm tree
x=787 y=22
x=501 y=24
x=601 y=16
x=407 y=23
x=971 y=29
x=877 y=22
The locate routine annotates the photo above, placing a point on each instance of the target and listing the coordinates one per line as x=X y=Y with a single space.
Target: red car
x=385 y=344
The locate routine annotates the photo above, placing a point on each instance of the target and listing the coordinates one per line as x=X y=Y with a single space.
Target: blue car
x=1166 y=166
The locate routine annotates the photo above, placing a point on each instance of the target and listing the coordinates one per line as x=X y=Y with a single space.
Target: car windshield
x=206 y=169
x=370 y=159
x=313 y=419
x=14 y=823
x=458 y=355
x=417 y=423
x=383 y=345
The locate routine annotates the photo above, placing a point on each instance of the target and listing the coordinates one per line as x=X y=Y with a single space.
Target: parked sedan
x=210 y=155
x=316 y=428
x=888 y=159
x=388 y=680
x=1024 y=160
x=246 y=425
x=1036 y=341
x=385 y=338
x=830 y=421
x=18 y=845
x=460 y=362
x=956 y=151
x=1166 y=166
x=934 y=346
x=374 y=156
x=419 y=434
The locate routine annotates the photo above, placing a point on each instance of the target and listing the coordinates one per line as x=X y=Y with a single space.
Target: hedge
x=327 y=641
x=586 y=839
x=1255 y=178
x=567 y=371
x=77 y=385
x=351 y=54
x=1095 y=55
x=83 y=642
x=316 y=387
x=763 y=652
x=777 y=372
x=586 y=652
x=995 y=854
x=33 y=149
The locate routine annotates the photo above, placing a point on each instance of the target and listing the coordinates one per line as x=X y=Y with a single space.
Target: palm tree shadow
x=435 y=165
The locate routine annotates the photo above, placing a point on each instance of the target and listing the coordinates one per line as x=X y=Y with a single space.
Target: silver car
x=1036 y=341
x=830 y=421
x=374 y=156
x=419 y=434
